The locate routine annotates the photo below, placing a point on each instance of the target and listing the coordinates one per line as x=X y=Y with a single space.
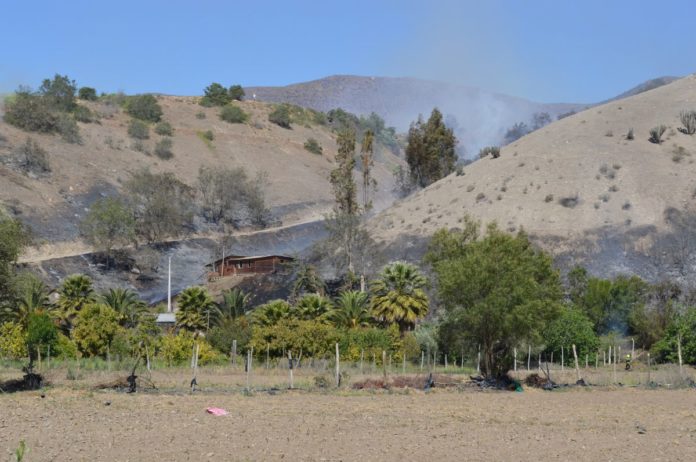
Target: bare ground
x=579 y=424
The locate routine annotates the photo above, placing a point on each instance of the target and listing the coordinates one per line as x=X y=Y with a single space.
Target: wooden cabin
x=240 y=265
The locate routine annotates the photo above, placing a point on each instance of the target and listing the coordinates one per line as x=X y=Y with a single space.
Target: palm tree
x=398 y=295
x=307 y=281
x=33 y=298
x=197 y=310
x=313 y=307
x=272 y=312
x=234 y=303
x=351 y=310
x=127 y=304
x=75 y=293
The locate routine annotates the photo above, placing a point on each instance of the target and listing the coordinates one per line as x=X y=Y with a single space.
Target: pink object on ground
x=216 y=411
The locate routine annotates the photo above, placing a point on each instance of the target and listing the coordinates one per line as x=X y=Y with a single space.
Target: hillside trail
x=78 y=247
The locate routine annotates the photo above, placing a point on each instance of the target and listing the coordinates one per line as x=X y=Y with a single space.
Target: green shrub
x=164 y=128
x=59 y=93
x=95 y=327
x=656 y=134
x=138 y=130
x=65 y=348
x=280 y=116
x=223 y=335
x=177 y=349
x=144 y=107
x=30 y=112
x=42 y=333
x=233 y=114
x=571 y=327
x=548 y=198
x=68 y=129
x=163 y=148
x=207 y=137
x=236 y=92
x=688 y=120
x=313 y=146
x=12 y=341
x=83 y=114
x=33 y=157
x=215 y=95
x=494 y=152
x=200 y=115
x=87 y=94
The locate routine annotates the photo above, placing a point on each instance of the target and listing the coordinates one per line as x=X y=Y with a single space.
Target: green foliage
x=236 y=92
x=68 y=129
x=30 y=112
x=164 y=128
x=32 y=297
x=163 y=148
x=493 y=151
x=65 y=348
x=144 y=107
x=178 y=349
x=162 y=204
x=14 y=238
x=235 y=303
x=33 y=157
x=516 y=132
x=649 y=321
x=371 y=341
x=87 y=94
x=42 y=333
x=109 y=223
x=688 y=120
x=59 y=93
x=572 y=327
x=215 y=95
x=280 y=116
x=227 y=331
x=139 y=130
x=430 y=153
x=75 y=293
x=683 y=328
x=312 y=307
x=315 y=339
x=96 y=325
x=127 y=304
x=656 y=134
x=21 y=451
x=351 y=310
x=207 y=137
x=83 y=114
x=306 y=281
x=313 y=146
x=12 y=341
x=398 y=295
x=197 y=310
x=498 y=292
x=233 y=114
x=272 y=313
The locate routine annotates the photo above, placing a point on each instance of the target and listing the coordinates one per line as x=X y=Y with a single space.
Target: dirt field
x=593 y=424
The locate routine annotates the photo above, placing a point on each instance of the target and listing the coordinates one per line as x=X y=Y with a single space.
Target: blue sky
x=551 y=50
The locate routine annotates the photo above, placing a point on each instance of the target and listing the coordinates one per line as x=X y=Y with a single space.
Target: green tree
x=307 y=281
x=236 y=92
x=367 y=160
x=75 y=293
x=96 y=326
x=127 y=304
x=650 y=321
x=398 y=295
x=215 y=95
x=682 y=329
x=572 y=327
x=108 y=224
x=222 y=336
x=13 y=238
x=87 y=94
x=59 y=93
x=42 y=334
x=13 y=343
x=351 y=310
x=280 y=116
x=32 y=298
x=234 y=304
x=430 y=152
x=197 y=310
x=144 y=107
x=498 y=292
x=313 y=307
x=343 y=223
x=272 y=312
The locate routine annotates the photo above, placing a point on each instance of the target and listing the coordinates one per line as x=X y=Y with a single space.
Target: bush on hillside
x=87 y=94
x=688 y=120
x=138 y=130
x=656 y=134
x=215 y=95
x=163 y=148
x=59 y=93
x=280 y=116
x=236 y=92
x=28 y=111
x=68 y=129
x=233 y=114
x=313 y=146
x=630 y=135
x=164 y=128
x=83 y=114
x=33 y=157
x=494 y=152
x=144 y=107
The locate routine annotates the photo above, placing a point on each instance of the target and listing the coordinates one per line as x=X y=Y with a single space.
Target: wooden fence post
x=384 y=365
x=445 y=361
x=478 y=361
x=290 y=366
x=338 y=367
x=562 y=360
x=422 y=359
x=679 y=353
x=529 y=357
x=234 y=352
x=403 y=366
x=514 y=353
x=648 y=368
x=362 y=357
x=268 y=354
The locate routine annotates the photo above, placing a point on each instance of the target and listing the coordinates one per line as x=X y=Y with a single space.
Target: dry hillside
x=298 y=189
x=578 y=185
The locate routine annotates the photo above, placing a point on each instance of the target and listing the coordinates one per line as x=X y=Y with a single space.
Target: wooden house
x=240 y=265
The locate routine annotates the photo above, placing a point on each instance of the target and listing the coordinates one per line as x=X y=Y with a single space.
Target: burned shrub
x=569 y=202
x=688 y=120
x=656 y=134
x=494 y=152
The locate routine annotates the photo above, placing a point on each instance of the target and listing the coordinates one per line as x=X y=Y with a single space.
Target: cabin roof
x=241 y=258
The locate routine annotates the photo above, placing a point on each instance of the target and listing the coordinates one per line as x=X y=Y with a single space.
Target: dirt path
x=592 y=425
x=79 y=247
